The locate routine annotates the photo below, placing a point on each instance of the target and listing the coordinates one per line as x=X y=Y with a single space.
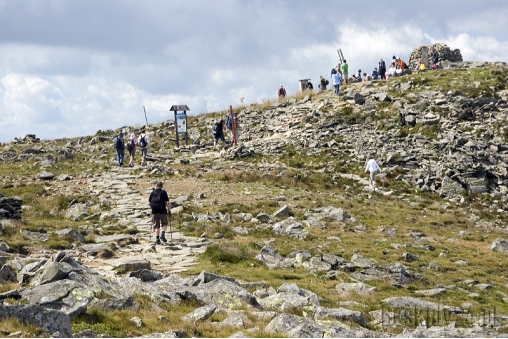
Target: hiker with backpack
x=159 y=202
x=218 y=133
x=281 y=92
x=144 y=143
x=120 y=148
x=132 y=142
x=322 y=83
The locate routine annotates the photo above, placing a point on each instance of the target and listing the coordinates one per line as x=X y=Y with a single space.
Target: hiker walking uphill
x=281 y=92
x=132 y=142
x=218 y=133
x=144 y=143
x=120 y=148
x=159 y=202
x=372 y=167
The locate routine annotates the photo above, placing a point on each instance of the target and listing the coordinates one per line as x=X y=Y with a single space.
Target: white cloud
x=481 y=48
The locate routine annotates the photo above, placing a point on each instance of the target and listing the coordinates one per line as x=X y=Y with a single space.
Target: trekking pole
x=145 y=116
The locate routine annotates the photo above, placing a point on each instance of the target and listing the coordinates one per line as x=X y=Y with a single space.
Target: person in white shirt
x=373 y=168
x=143 y=143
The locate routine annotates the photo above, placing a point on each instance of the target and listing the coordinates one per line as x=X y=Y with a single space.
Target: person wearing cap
x=281 y=92
x=382 y=68
x=159 y=203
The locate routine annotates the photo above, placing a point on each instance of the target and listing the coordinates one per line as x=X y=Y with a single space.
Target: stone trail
x=136 y=251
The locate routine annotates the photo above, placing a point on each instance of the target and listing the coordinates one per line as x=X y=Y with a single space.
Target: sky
x=72 y=68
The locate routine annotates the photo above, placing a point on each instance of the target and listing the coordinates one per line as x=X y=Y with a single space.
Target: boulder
x=500 y=245
x=50 y=320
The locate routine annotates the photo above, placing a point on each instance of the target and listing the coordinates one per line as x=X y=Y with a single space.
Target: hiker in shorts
x=345 y=71
x=159 y=202
x=373 y=168
x=144 y=143
x=132 y=142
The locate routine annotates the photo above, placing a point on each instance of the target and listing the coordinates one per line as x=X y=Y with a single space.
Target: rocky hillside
x=280 y=235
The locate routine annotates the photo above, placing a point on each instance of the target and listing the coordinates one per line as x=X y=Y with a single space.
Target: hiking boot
x=163 y=238
x=157 y=241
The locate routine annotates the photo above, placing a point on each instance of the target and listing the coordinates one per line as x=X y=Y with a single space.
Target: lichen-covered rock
x=340 y=314
x=294 y=326
x=200 y=314
x=48 y=319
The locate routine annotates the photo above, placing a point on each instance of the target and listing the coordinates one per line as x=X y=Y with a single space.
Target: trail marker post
x=180 y=122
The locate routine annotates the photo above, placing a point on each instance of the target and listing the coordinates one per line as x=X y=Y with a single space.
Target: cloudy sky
x=71 y=67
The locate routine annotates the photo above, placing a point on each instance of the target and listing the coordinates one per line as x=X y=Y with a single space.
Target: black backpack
x=130 y=145
x=119 y=143
x=142 y=141
x=157 y=199
x=216 y=128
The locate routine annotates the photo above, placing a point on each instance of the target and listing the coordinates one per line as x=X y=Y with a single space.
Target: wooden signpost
x=180 y=122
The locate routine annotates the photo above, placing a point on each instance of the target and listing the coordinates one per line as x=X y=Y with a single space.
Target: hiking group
x=232 y=123
x=132 y=143
x=397 y=68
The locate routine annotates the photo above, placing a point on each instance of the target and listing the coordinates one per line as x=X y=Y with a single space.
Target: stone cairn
x=10 y=207
x=445 y=54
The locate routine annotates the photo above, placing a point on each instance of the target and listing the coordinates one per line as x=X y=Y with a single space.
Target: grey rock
x=200 y=314
x=412 y=303
x=294 y=326
x=282 y=212
x=340 y=314
x=48 y=319
x=500 y=245
x=290 y=227
x=77 y=212
x=46 y=175
x=145 y=275
x=269 y=256
x=71 y=233
x=345 y=289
